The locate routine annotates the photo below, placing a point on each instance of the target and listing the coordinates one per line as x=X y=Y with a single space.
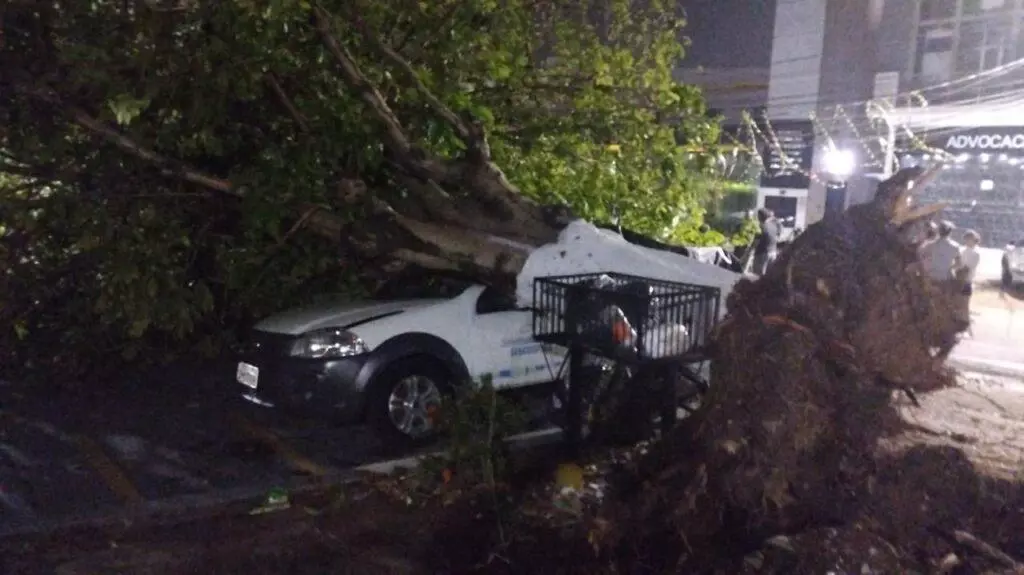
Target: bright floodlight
x=839 y=163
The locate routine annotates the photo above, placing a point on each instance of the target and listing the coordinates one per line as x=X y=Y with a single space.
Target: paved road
x=996 y=340
x=150 y=439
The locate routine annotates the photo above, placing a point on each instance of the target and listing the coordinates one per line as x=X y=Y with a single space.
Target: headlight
x=328 y=343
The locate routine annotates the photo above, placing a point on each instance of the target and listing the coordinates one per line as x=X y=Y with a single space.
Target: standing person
x=931 y=233
x=771 y=234
x=766 y=244
x=940 y=255
x=968 y=267
x=941 y=260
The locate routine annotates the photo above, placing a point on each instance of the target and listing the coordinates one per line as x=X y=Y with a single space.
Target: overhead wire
x=858 y=123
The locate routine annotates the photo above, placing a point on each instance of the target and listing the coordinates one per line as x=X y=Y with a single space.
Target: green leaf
x=138 y=327
x=126 y=109
x=501 y=71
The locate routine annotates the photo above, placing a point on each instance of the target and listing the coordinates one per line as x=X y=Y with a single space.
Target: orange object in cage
x=621 y=331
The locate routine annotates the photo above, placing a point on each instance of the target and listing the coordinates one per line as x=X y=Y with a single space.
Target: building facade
x=931 y=80
x=729 y=54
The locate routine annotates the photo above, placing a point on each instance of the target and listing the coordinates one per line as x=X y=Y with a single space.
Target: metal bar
x=574 y=405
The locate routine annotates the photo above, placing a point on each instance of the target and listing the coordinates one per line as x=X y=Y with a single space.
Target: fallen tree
x=379 y=134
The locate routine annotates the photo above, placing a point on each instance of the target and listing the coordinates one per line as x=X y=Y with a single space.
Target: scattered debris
x=277 y=500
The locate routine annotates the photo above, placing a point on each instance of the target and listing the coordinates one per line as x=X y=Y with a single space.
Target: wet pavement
x=179 y=432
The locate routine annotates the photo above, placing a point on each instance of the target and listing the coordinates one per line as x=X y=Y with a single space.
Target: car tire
x=403 y=398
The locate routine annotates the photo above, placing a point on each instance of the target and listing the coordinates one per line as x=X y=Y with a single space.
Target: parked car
x=1013 y=264
x=390 y=363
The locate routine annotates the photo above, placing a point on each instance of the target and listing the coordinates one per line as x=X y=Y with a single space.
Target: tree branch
x=166 y=165
x=346 y=65
x=282 y=97
x=476 y=174
x=441 y=246
x=461 y=128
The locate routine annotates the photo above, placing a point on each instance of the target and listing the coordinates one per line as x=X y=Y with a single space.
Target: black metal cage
x=621 y=316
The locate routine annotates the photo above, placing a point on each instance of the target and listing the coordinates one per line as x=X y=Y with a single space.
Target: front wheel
x=404 y=402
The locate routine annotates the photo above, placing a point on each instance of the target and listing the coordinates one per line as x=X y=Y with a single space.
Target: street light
x=838 y=163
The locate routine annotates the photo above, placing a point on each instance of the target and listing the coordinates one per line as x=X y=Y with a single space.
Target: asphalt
x=168 y=436
x=995 y=342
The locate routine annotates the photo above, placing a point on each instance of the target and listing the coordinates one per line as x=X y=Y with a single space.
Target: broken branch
x=461 y=129
x=167 y=166
x=282 y=97
x=354 y=77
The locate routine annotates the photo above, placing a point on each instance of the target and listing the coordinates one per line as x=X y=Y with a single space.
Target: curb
x=517 y=443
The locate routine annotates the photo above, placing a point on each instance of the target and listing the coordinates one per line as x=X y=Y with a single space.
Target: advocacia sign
x=980 y=140
x=995 y=142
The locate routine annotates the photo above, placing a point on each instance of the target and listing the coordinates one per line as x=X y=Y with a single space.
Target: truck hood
x=341 y=315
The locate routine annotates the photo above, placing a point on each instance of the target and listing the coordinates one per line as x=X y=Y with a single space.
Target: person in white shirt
x=966 y=267
x=941 y=260
x=939 y=256
x=969 y=260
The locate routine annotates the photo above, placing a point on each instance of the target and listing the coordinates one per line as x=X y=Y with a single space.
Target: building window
x=934 y=61
x=984 y=44
x=957 y=38
x=937 y=9
x=978 y=7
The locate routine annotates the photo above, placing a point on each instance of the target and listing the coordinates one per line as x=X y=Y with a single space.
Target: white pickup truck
x=390 y=363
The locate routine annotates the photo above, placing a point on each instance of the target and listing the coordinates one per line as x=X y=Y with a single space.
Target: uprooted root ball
x=803 y=376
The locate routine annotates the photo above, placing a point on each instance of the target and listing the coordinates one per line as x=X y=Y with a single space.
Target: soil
x=362 y=531
x=372 y=528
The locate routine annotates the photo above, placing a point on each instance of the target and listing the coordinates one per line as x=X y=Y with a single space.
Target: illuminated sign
x=985 y=141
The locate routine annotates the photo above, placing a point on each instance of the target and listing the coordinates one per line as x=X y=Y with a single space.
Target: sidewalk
x=995 y=343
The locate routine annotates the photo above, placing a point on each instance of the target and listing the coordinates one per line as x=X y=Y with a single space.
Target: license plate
x=248 y=375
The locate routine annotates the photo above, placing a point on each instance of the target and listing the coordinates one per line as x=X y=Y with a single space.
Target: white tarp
x=710 y=255
x=584 y=248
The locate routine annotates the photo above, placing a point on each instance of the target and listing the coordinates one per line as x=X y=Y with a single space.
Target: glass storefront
x=984 y=192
